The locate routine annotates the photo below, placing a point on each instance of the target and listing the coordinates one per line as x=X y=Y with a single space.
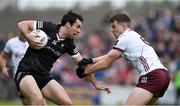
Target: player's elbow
x=20 y=24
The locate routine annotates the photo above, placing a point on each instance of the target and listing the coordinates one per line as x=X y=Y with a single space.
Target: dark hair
x=119 y=17
x=71 y=17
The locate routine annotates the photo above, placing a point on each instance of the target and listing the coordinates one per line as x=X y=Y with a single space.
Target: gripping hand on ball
x=32 y=39
x=37 y=39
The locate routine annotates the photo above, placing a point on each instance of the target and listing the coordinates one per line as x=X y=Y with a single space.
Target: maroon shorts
x=155 y=82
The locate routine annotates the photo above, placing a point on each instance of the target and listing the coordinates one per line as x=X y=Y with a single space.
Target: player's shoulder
x=126 y=33
x=40 y=23
x=131 y=34
x=47 y=26
x=128 y=36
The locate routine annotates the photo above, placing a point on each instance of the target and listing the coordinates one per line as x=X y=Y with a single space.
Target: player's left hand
x=80 y=72
x=102 y=87
x=85 y=62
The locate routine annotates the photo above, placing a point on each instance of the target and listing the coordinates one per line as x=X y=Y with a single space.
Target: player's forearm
x=97 y=67
x=91 y=78
x=95 y=60
x=22 y=28
x=2 y=62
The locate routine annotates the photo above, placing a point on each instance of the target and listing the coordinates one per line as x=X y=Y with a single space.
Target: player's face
x=75 y=29
x=116 y=28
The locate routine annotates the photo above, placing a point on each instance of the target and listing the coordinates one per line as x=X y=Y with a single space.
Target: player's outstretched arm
x=97 y=59
x=104 y=63
x=83 y=62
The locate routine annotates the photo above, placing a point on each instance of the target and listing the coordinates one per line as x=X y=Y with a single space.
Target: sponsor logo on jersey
x=55 y=52
x=54 y=42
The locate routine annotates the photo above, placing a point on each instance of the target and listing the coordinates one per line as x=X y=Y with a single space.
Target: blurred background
x=158 y=21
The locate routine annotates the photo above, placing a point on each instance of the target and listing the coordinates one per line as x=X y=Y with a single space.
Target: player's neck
x=62 y=33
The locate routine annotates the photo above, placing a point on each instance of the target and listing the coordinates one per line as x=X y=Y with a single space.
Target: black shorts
x=40 y=79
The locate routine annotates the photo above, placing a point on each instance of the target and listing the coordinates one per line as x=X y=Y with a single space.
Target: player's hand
x=102 y=87
x=85 y=62
x=80 y=72
x=32 y=40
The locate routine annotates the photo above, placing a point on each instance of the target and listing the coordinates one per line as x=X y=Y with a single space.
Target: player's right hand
x=32 y=40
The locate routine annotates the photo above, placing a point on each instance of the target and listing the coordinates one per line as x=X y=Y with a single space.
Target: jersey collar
x=58 y=37
x=124 y=33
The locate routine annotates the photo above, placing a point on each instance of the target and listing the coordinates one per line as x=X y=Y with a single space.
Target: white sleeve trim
x=78 y=54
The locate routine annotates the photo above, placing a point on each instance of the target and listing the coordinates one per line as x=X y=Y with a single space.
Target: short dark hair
x=71 y=17
x=119 y=17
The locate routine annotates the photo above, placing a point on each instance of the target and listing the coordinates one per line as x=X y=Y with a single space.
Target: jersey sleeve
x=45 y=26
x=74 y=52
x=70 y=47
x=121 y=44
x=7 y=47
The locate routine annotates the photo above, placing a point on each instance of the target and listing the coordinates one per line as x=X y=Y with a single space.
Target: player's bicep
x=28 y=24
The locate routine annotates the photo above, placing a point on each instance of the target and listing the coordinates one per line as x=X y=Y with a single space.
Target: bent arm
x=103 y=61
x=24 y=27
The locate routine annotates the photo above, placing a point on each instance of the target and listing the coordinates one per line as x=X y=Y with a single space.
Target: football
x=39 y=36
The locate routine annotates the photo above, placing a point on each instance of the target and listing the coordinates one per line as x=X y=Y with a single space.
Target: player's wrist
x=95 y=82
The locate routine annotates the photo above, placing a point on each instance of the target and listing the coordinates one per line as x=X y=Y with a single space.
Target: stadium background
x=157 y=21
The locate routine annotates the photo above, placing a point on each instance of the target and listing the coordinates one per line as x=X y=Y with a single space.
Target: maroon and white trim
x=118 y=49
x=144 y=62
